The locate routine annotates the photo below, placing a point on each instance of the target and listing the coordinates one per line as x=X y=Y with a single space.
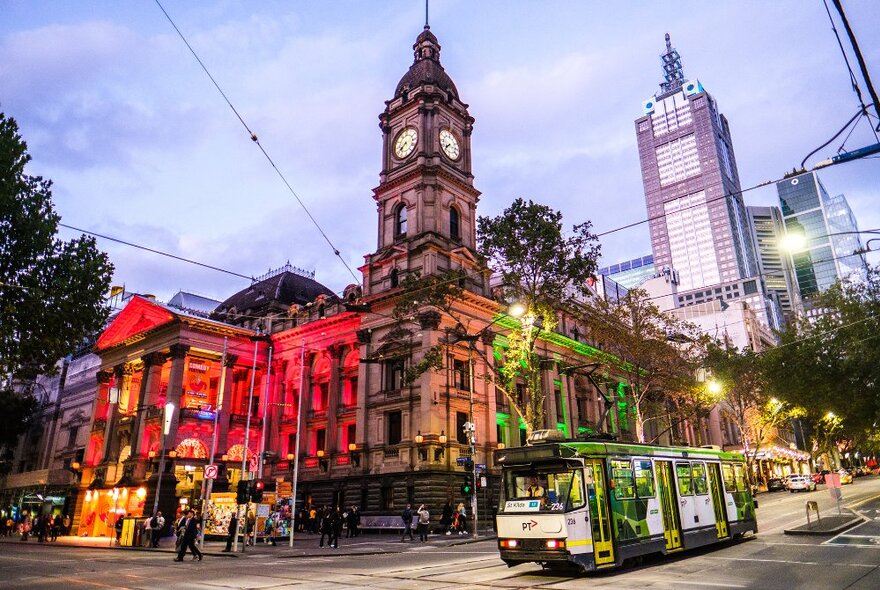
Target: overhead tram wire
x=861 y=60
x=255 y=139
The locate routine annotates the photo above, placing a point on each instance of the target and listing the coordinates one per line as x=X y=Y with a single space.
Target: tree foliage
x=51 y=291
x=540 y=268
x=749 y=402
x=656 y=352
x=832 y=363
x=17 y=411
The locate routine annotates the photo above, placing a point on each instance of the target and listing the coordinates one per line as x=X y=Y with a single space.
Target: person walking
x=462 y=519
x=190 y=533
x=231 y=532
x=157 y=524
x=179 y=529
x=446 y=518
x=118 y=527
x=336 y=516
x=251 y=528
x=352 y=522
x=424 y=521
x=328 y=527
x=66 y=522
x=271 y=526
x=56 y=527
x=407 y=518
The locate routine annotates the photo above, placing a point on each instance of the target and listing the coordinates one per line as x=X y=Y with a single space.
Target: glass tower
x=833 y=249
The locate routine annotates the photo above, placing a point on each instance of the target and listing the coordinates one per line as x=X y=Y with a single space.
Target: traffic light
x=242 y=492
x=257 y=491
x=467 y=488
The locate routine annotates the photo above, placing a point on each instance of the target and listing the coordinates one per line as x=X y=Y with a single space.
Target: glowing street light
x=793 y=242
x=714 y=387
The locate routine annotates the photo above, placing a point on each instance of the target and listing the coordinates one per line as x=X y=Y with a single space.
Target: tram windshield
x=558 y=488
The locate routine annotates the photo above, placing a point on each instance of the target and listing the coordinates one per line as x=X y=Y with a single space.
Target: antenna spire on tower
x=427 y=26
x=673 y=73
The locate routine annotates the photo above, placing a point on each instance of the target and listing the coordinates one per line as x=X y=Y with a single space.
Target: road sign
x=253 y=463
x=480 y=467
x=211 y=471
x=463 y=460
x=483 y=482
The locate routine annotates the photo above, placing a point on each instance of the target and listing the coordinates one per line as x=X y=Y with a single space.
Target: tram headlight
x=555 y=544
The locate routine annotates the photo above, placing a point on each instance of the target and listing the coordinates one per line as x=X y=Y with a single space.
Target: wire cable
x=253 y=137
x=859 y=58
x=835 y=136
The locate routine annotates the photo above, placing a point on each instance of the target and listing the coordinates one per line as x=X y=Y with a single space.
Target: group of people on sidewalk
x=44 y=527
x=451 y=521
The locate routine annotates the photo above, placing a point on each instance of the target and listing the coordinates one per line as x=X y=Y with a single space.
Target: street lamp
x=166 y=428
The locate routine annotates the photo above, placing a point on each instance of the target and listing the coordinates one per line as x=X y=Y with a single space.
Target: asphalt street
x=769 y=560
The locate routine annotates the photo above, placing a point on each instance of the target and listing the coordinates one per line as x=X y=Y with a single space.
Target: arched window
x=395 y=280
x=454 y=227
x=400 y=220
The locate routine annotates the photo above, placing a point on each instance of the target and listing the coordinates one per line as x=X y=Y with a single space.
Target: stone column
x=334 y=393
x=225 y=408
x=715 y=436
x=175 y=389
x=111 y=432
x=149 y=396
x=305 y=390
x=364 y=337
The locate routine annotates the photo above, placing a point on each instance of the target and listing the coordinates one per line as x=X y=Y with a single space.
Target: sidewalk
x=304 y=545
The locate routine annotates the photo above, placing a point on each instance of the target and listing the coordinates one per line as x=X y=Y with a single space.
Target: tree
x=539 y=268
x=748 y=402
x=657 y=353
x=51 y=291
x=830 y=365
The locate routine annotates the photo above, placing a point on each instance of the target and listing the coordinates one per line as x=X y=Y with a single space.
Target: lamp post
x=299 y=407
x=166 y=427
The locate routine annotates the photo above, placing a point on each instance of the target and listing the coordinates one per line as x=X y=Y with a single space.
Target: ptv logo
x=527 y=526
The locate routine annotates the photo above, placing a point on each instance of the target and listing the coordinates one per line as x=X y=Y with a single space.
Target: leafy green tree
x=657 y=353
x=540 y=268
x=748 y=400
x=51 y=291
x=832 y=363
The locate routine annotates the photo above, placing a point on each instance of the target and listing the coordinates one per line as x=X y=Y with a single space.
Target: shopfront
x=102 y=507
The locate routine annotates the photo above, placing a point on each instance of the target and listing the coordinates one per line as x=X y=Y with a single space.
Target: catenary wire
x=255 y=139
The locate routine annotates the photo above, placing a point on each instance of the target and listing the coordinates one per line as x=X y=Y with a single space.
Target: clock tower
x=426 y=200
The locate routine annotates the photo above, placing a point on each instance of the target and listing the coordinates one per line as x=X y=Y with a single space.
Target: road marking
x=716 y=584
x=763 y=560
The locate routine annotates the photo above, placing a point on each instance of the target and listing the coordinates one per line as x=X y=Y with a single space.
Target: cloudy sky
x=142 y=147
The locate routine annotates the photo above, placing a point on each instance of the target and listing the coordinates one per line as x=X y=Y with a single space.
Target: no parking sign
x=211 y=471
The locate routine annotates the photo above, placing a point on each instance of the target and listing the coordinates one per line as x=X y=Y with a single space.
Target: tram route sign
x=211 y=471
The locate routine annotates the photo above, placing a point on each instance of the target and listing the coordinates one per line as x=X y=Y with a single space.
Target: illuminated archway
x=192 y=448
x=235 y=453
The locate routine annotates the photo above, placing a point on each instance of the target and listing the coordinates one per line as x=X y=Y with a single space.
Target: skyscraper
x=830 y=231
x=688 y=167
x=774 y=264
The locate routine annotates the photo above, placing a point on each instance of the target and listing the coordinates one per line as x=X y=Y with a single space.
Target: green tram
x=594 y=504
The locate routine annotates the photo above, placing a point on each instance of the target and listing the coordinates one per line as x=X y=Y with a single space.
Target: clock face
x=449 y=144
x=405 y=142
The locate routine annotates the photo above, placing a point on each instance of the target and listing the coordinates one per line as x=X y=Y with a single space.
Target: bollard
x=814 y=506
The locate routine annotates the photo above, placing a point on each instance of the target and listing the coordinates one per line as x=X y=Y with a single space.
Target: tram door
x=668 y=505
x=597 y=493
x=718 y=500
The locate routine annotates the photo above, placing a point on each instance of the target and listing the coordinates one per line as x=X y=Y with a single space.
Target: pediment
x=139 y=316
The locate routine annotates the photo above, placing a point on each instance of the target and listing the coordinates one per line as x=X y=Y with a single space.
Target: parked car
x=796 y=483
x=845 y=476
x=775 y=484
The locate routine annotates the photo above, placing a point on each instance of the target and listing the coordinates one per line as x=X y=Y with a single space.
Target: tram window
x=622 y=476
x=557 y=490
x=727 y=475
x=644 y=479
x=740 y=478
x=685 y=484
x=701 y=486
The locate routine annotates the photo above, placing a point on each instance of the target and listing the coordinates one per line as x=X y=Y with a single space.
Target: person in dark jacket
x=446 y=517
x=407 y=518
x=119 y=528
x=329 y=528
x=354 y=521
x=190 y=534
x=233 y=530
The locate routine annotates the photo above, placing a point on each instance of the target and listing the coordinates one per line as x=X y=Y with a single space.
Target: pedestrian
x=191 y=530
x=179 y=529
x=461 y=524
x=157 y=524
x=231 y=532
x=351 y=522
x=336 y=524
x=313 y=520
x=407 y=518
x=328 y=528
x=271 y=526
x=251 y=529
x=118 y=527
x=25 y=527
x=446 y=518
x=424 y=521
x=10 y=525
x=66 y=522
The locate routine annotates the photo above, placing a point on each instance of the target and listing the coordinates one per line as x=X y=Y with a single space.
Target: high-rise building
x=774 y=264
x=631 y=273
x=832 y=247
x=698 y=219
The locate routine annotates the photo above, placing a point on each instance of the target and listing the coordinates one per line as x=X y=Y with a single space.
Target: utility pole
x=471 y=428
x=206 y=488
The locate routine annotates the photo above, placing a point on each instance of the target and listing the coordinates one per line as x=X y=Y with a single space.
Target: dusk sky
x=142 y=147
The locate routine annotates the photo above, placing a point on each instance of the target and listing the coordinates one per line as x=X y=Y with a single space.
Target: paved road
x=769 y=560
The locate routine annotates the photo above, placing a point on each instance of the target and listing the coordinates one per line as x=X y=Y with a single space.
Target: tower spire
x=427 y=26
x=673 y=73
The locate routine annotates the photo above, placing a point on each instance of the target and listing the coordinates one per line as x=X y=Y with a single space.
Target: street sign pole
x=207 y=487
x=471 y=438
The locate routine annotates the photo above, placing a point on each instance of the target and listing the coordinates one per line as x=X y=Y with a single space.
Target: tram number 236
x=569 y=521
